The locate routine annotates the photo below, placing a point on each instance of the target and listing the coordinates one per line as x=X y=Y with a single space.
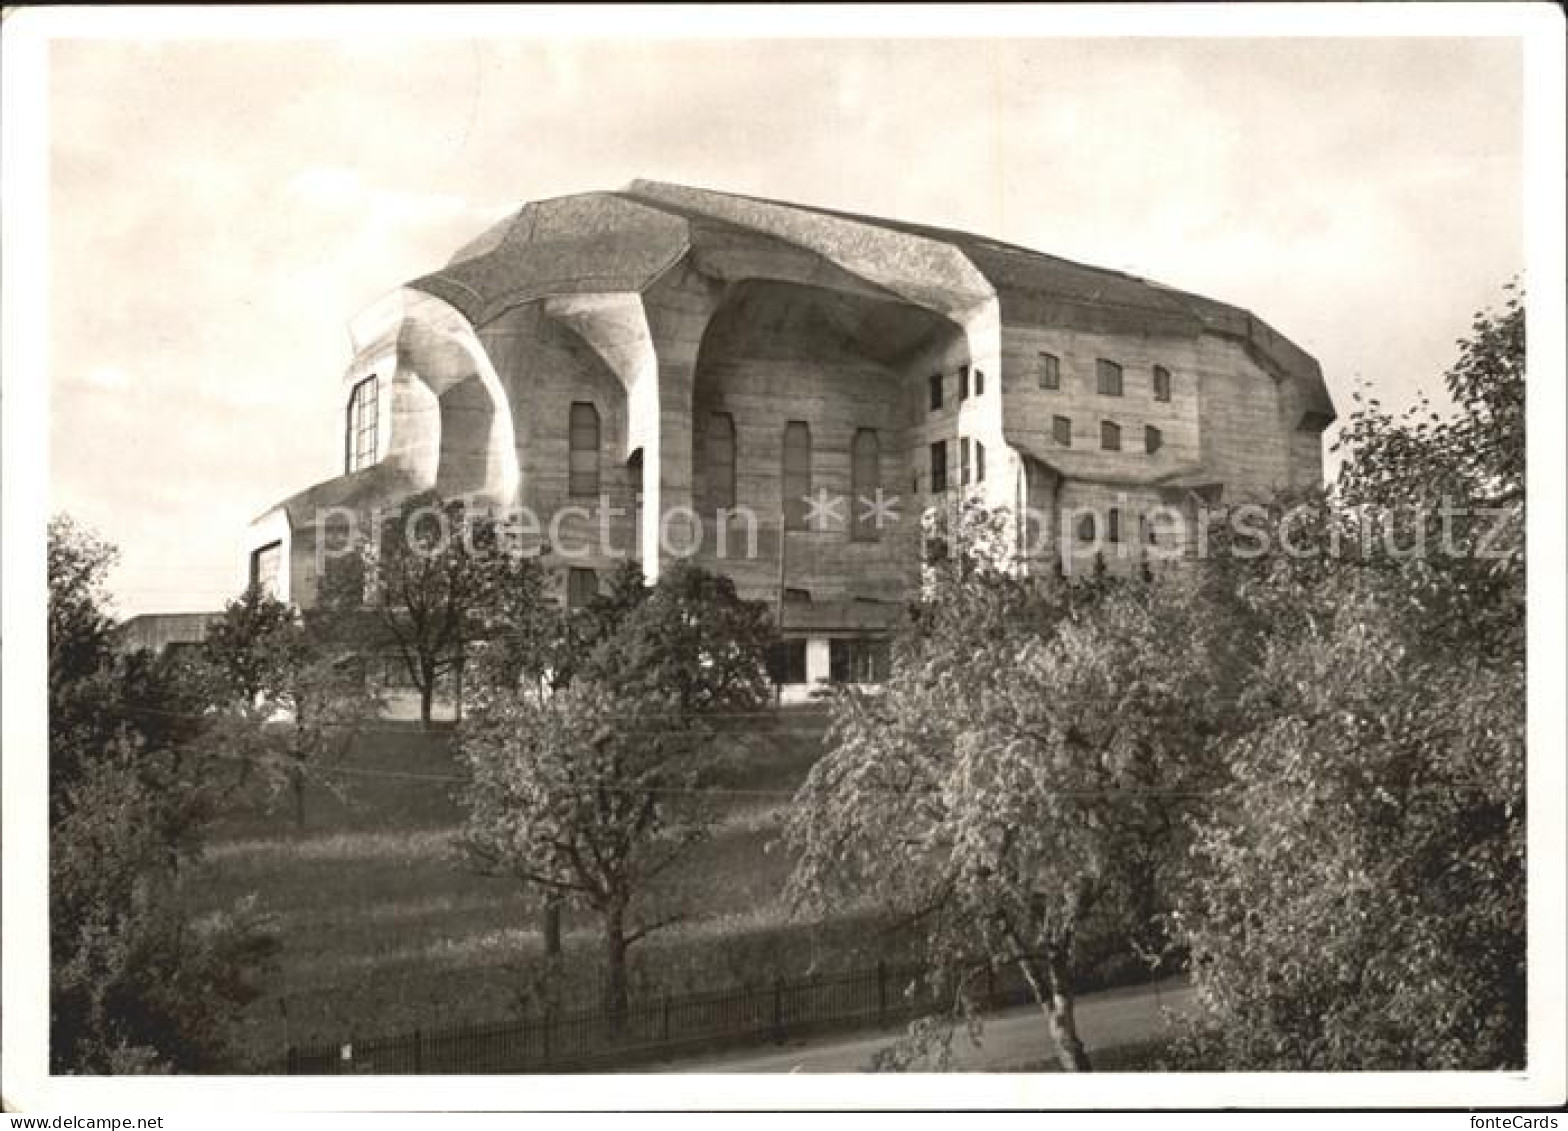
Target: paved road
x=1011 y=1040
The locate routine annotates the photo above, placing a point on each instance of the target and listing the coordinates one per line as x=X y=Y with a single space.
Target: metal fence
x=594 y=1041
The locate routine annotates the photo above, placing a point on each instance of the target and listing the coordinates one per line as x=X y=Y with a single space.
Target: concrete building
x=628 y=364
x=175 y=633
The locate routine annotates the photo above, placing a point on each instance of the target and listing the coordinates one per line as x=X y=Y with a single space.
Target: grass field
x=385 y=930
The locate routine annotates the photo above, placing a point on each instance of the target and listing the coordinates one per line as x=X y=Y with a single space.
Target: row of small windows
x=1110 y=435
x=1107 y=377
x=936 y=381
x=971 y=463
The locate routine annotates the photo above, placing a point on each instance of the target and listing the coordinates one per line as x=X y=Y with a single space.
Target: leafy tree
x=136 y=984
x=294 y=702
x=1357 y=897
x=431 y=571
x=587 y=794
x=1024 y=768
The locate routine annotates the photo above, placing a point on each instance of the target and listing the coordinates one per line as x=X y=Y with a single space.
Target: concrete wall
x=1029 y=410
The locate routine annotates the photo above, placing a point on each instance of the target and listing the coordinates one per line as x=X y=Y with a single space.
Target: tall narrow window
x=963 y=461
x=934 y=386
x=1162 y=383
x=939 y=467
x=865 y=475
x=265 y=565
x=721 y=461
x=979 y=382
x=1062 y=430
x=963 y=382
x=1110 y=436
x=979 y=462
x=1086 y=528
x=583 y=465
x=1152 y=440
x=363 y=419
x=1113 y=525
x=1050 y=372
x=1108 y=378
x=582 y=586
x=797 y=473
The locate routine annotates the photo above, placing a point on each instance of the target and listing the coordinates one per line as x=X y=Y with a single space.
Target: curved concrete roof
x=623 y=241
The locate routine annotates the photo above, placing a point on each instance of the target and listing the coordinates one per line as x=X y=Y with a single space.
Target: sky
x=220 y=209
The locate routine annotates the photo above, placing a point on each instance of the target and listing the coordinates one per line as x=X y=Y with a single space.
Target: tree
x=293 y=700
x=1357 y=893
x=136 y=984
x=590 y=793
x=431 y=573
x=1023 y=768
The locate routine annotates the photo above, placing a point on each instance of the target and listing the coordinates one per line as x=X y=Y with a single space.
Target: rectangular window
x=1152 y=440
x=265 y=565
x=1113 y=525
x=787 y=662
x=1162 y=383
x=721 y=461
x=938 y=467
x=1050 y=372
x=364 y=417
x=963 y=461
x=582 y=586
x=1110 y=436
x=865 y=475
x=979 y=462
x=858 y=661
x=1086 y=528
x=1062 y=431
x=1108 y=378
x=934 y=384
x=583 y=459
x=963 y=382
x=797 y=473
x=979 y=382
x=797 y=596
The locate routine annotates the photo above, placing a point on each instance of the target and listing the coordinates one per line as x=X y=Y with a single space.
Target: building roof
x=625 y=240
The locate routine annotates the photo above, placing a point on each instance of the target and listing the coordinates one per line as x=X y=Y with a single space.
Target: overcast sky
x=220 y=210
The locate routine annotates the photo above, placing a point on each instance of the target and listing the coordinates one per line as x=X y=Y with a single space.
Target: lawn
x=385 y=930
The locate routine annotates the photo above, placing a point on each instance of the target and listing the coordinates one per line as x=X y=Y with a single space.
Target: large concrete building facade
x=627 y=365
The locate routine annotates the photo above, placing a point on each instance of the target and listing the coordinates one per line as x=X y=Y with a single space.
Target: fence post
x=778 y=1010
x=881 y=992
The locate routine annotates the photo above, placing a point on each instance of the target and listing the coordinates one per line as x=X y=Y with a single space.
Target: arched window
x=797 y=473
x=583 y=466
x=721 y=461
x=1162 y=383
x=364 y=414
x=865 y=480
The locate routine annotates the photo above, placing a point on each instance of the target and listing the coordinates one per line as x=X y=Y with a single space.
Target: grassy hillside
x=386 y=930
